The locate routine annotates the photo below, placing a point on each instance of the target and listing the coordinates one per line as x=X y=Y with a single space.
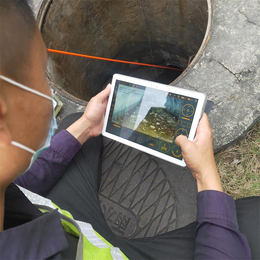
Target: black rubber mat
x=135 y=194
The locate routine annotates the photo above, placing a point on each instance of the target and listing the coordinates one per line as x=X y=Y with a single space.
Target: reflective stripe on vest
x=87 y=235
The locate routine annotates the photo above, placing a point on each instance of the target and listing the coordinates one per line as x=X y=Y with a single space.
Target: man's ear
x=5 y=135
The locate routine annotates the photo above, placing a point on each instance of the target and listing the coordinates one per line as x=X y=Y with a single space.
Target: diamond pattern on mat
x=133 y=181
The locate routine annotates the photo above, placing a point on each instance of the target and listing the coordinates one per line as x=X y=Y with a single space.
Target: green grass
x=239 y=166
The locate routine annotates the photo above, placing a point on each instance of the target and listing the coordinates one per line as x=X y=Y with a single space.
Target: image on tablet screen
x=148 y=111
x=150 y=117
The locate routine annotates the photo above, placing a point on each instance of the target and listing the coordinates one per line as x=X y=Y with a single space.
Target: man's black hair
x=17 y=31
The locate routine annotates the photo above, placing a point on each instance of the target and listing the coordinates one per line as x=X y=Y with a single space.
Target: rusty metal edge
x=203 y=45
x=44 y=8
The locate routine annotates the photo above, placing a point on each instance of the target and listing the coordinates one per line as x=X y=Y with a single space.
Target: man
x=68 y=172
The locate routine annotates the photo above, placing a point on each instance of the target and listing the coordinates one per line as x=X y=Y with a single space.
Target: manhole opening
x=161 y=32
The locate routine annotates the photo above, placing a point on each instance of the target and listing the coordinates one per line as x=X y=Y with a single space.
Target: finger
x=203 y=126
x=105 y=103
x=103 y=95
x=204 y=121
x=181 y=140
x=187 y=146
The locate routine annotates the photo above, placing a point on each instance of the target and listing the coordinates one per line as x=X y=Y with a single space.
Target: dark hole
x=161 y=32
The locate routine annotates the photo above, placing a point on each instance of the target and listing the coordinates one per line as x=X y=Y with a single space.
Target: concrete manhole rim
x=202 y=48
x=43 y=10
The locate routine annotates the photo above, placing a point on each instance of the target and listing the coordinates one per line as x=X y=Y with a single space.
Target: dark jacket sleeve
x=51 y=164
x=217 y=233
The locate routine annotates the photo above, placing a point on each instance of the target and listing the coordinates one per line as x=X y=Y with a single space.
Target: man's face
x=29 y=115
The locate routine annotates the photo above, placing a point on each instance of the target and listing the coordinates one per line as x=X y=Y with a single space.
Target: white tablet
x=149 y=116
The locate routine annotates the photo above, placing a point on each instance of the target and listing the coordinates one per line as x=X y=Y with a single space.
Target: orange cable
x=113 y=60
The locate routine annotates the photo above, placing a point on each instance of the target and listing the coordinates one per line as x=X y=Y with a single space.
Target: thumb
x=181 y=141
x=103 y=95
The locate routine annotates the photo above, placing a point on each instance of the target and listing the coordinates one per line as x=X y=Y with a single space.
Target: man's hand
x=199 y=156
x=91 y=122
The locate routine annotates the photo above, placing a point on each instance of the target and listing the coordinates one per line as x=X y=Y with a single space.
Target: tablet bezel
x=167 y=88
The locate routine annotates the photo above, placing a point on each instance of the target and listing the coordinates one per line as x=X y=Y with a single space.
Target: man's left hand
x=91 y=122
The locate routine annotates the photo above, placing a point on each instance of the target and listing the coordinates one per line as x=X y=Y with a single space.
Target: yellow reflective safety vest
x=91 y=245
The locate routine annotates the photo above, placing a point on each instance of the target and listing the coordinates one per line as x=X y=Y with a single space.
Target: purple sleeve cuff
x=217 y=234
x=216 y=205
x=65 y=144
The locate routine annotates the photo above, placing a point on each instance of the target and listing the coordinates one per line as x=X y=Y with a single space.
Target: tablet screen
x=150 y=117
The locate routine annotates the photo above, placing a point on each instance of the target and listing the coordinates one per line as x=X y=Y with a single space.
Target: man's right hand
x=199 y=156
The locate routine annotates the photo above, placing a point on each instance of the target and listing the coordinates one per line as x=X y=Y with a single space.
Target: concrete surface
x=229 y=70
